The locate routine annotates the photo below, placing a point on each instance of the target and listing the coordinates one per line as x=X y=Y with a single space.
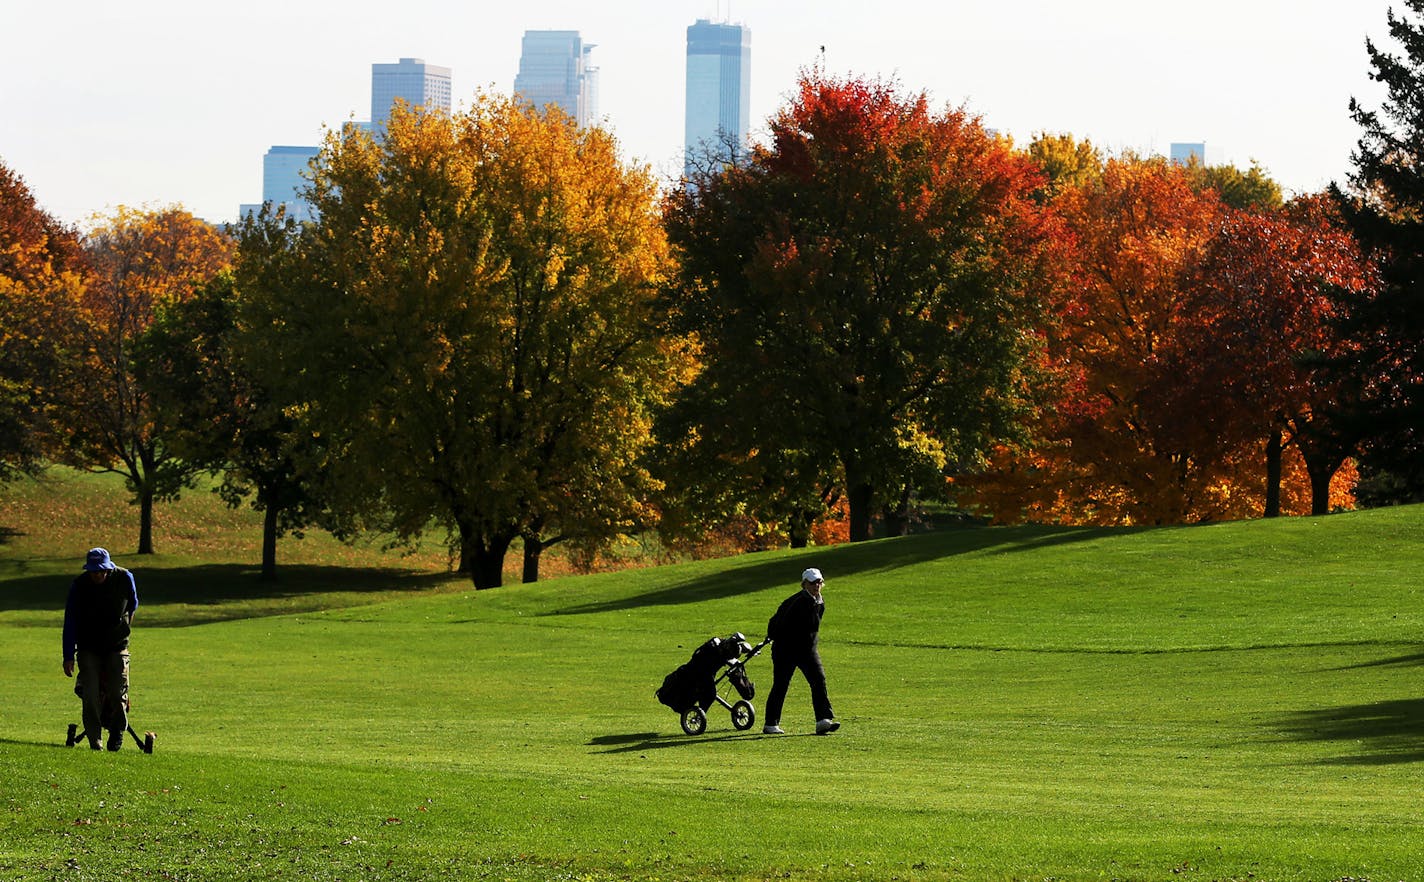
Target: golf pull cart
x=75 y=736
x=695 y=686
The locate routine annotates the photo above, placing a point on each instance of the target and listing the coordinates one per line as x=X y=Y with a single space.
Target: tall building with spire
x=411 y=80
x=719 y=87
x=555 y=67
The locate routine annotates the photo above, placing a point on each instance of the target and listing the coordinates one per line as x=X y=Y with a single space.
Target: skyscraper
x=412 y=80
x=283 y=182
x=719 y=88
x=555 y=68
x=1184 y=152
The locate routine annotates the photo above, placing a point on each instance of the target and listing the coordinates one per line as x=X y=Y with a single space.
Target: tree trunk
x=533 y=548
x=269 y=543
x=485 y=555
x=145 y=520
x=897 y=518
x=1322 y=472
x=1273 y=474
x=798 y=528
x=860 y=495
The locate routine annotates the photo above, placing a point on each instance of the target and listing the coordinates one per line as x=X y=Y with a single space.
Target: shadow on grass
x=1381 y=733
x=1399 y=661
x=644 y=741
x=182 y=596
x=849 y=560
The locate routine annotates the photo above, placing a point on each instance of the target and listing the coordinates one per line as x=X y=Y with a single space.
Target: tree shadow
x=645 y=741
x=1400 y=661
x=744 y=575
x=1384 y=732
x=204 y=590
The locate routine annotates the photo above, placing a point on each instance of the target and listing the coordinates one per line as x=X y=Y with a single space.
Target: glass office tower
x=555 y=68
x=412 y=80
x=719 y=87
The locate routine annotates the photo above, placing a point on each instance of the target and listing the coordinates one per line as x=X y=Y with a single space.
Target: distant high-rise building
x=1183 y=152
x=555 y=68
x=283 y=182
x=412 y=80
x=719 y=88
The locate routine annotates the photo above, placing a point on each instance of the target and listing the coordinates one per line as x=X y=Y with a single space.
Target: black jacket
x=796 y=625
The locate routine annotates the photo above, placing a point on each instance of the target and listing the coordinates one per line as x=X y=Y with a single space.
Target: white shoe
x=826 y=727
x=772 y=730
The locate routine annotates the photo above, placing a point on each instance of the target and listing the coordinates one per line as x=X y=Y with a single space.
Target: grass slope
x=1238 y=701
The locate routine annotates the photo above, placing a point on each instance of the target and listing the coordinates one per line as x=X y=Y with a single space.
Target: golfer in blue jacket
x=98 y=614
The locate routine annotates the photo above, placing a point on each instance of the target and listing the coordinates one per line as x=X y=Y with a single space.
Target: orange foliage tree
x=141 y=259
x=41 y=277
x=1257 y=326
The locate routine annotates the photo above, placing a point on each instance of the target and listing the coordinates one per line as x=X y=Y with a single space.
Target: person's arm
x=133 y=595
x=68 y=636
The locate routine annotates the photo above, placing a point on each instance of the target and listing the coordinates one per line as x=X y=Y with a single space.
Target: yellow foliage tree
x=479 y=343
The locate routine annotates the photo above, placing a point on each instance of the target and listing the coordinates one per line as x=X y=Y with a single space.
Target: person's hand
x=69 y=667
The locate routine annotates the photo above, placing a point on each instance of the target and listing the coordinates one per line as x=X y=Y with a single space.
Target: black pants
x=784 y=666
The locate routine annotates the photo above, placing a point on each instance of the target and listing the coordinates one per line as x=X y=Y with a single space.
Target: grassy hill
x=1238 y=701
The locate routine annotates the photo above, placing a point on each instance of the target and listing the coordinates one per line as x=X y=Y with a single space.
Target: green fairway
x=1229 y=702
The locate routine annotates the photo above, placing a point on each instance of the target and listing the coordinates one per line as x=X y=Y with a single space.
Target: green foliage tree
x=861 y=288
x=478 y=345
x=41 y=280
x=1249 y=190
x=142 y=260
x=1065 y=161
x=1384 y=205
x=198 y=368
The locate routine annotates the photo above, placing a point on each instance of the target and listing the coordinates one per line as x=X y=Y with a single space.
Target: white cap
x=811 y=575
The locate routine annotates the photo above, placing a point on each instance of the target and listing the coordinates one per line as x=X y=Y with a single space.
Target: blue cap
x=97 y=560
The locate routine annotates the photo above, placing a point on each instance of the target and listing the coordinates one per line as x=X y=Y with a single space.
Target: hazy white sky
x=153 y=102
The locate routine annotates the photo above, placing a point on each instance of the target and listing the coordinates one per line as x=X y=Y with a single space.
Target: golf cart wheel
x=72 y=737
x=694 y=721
x=743 y=715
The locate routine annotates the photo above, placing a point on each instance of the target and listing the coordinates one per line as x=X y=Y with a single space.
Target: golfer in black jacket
x=795 y=631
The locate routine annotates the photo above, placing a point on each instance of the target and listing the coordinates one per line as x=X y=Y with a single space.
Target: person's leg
x=116 y=697
x=782 y=669
x=90 y=667
x=815 y=675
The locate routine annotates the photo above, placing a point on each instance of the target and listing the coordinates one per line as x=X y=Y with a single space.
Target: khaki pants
x=104 y=679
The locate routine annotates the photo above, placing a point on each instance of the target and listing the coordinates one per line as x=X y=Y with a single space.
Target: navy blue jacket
x=96 y=616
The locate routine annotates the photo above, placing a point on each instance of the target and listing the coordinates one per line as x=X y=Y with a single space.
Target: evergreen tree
x=1385 y=206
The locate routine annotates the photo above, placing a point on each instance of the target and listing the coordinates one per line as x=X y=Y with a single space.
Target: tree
x=1384 y=205
x=1252 y=189
x=142 y=260
x=479 y=344
x=198 y=368
x=1065 y=161
x=862 y=291
x=41 y=279
x=1257 y=329
x=1110 y=449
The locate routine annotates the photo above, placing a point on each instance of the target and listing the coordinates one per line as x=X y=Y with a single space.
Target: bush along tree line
x=500 y=333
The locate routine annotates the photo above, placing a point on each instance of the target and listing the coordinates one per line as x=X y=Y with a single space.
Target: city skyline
x=161 y=102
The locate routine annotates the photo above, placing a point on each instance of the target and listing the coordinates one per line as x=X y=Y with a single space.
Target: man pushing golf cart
x=695 y=686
